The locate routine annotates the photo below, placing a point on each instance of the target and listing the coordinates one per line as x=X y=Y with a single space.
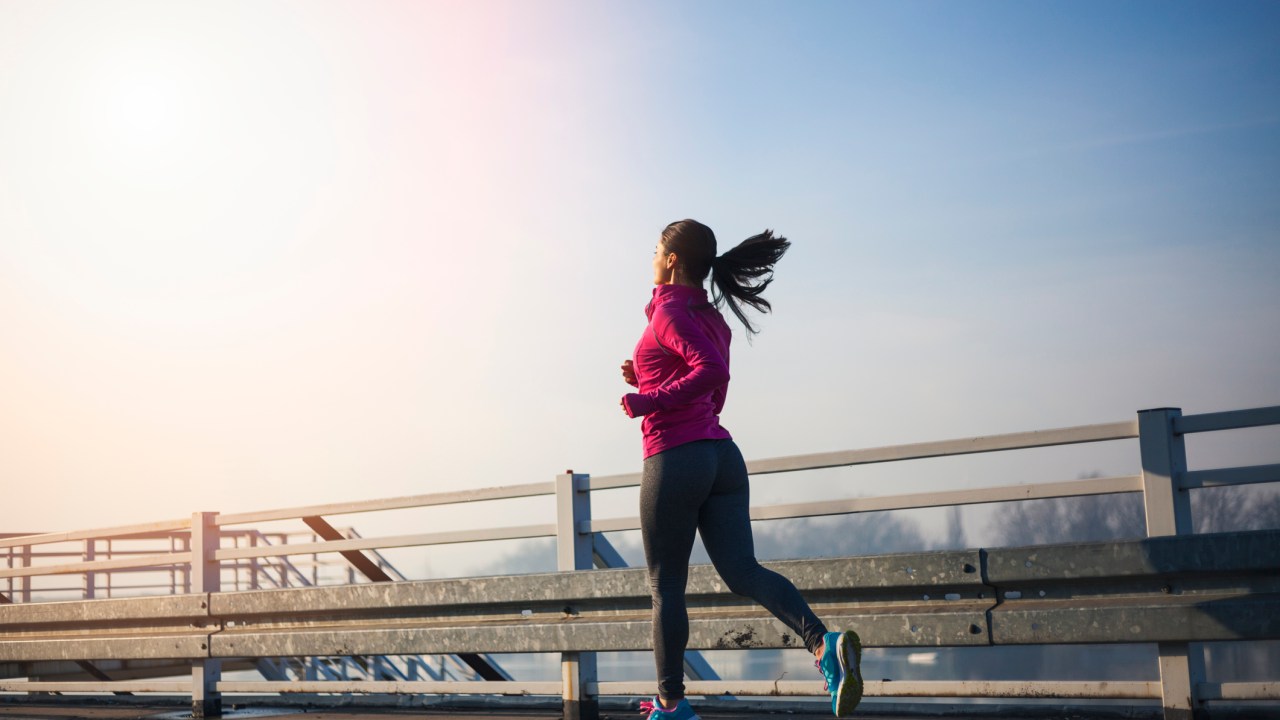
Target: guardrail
x=1164 y=482
x=1194 y=588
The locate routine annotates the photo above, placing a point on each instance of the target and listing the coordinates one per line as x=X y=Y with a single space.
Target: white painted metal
x=206 y=579
x=609 y=482
x=396 y=687
x=25 y=593
x=1164 y=457
x=1239 y=691
x=88 y=581
x=98 y=565
x=873 y=688
x=396 y=503
x=1070 y=488
x=573 y=508
x=963 y=446
x=443 y=538
x=976 y=496
x=1168 y=512
x=915 y=451
x=908 y=688
x=119 y=531
x=157 y=686
x=1247 y=475
x=1229 y=420
x=1177 y=679
x=1015 y=689
x=206 y=573
x=578 y=670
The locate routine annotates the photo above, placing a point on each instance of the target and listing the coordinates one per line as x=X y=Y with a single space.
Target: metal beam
x=1239 y=691
x=441 y=538
x=396 y=503
x=119 y=687
x=206 y=580
x=1191 y=618
x=938 y=573
x=112 y=532
x=158 y=560
x=146 y=644
x=915 y=451
x=1254 y=553
x=974 y=496
x=1171 y=589
x=177 y=609
x=1229 y=420
x=909 y=688
x=97 y=674
x=1248 y=475
x=370 y=569
x=359 y=560
x=396 y=687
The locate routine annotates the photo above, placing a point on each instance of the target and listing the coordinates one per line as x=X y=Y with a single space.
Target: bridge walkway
x=62 y=711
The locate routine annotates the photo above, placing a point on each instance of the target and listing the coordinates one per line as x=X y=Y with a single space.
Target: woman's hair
x=738 y=276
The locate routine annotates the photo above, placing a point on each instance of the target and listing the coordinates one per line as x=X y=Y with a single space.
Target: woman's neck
x=683 y=283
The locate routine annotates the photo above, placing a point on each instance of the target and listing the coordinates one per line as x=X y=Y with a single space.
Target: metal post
x=1164 y=457
x=573 y=552
x=235 y=566
x=206 y=577
x=89 y=582
x=282 y=562
x=110 y=554
x=1168 y=512
x=253 y=562
x=186 y=572
x=26 y=580
x=173 y=570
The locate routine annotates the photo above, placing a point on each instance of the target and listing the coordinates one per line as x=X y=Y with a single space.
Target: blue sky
x=268 y=254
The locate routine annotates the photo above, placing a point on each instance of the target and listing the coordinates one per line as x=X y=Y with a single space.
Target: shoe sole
x=850 y=692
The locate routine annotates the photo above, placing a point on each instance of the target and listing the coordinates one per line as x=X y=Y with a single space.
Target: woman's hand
x=629 y=372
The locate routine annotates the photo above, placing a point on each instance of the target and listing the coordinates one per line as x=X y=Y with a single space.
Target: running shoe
x=654 y=710
x=841 y=666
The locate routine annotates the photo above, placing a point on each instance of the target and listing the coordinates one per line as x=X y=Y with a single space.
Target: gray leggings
x=703 y=486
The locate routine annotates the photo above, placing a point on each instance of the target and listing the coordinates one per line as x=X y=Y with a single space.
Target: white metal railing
x=1164 y=483
x=24 y=562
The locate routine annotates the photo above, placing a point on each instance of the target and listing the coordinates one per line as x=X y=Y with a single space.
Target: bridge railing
x=284 y=571
x=1164 y=482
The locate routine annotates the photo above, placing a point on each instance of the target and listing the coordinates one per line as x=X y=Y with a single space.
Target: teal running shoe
x=653 y=711
x=841 y=665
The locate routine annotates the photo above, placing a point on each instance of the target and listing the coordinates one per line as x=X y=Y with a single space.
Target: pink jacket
x=682 y=370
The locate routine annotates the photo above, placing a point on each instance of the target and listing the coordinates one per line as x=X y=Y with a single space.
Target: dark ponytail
x=752 y=259
x=731 y=273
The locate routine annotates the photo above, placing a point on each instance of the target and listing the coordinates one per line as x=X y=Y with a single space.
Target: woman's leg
x=725 y=523
x=674 y=484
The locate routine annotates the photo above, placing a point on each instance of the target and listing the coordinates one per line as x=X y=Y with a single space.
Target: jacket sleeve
x=680 y=333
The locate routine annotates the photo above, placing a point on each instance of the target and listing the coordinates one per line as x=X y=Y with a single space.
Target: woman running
x=695 y=479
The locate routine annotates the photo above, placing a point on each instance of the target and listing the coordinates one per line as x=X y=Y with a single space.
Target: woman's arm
x=680 y=333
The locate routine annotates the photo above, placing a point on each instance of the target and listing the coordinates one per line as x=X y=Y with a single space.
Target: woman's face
x=663 y=264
